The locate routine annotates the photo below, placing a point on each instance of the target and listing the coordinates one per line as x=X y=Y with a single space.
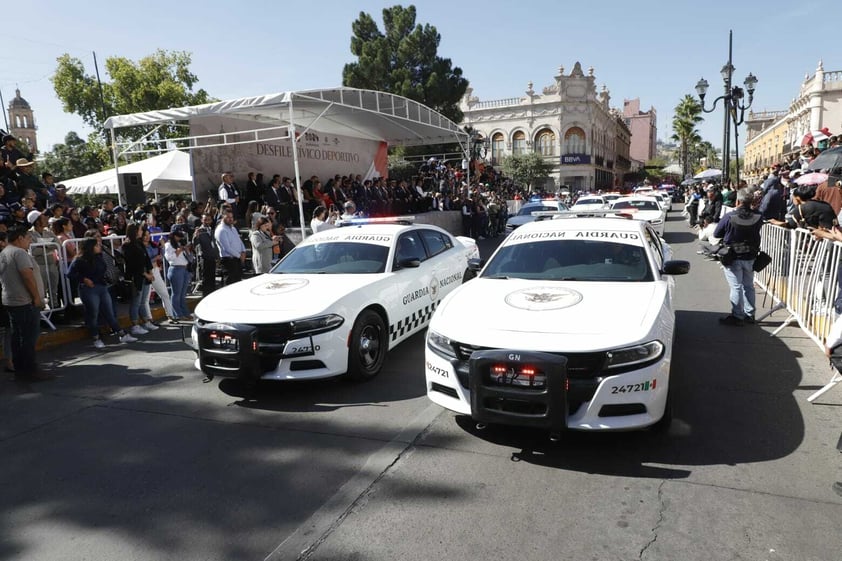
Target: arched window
x=17 y=121
x=545 y=143
x=574 y=141
x=25 y=122
x=497 y=144
x=519 y=143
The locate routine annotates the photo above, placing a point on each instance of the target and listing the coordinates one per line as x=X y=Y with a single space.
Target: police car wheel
x=367 y=349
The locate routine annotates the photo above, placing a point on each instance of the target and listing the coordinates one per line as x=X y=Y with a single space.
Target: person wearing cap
x=27 y=180
x=61 y=197
x=808 y=213
x=45 y=255
x=18 y=215
x=10 y=154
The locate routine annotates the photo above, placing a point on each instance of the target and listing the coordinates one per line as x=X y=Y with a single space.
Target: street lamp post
x=734 y=109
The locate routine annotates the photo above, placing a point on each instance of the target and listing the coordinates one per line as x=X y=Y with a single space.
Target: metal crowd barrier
x=111 y=240
x=802 y=278
x=47 y=255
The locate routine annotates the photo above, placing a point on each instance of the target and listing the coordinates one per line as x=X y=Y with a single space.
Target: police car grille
x=274 y=334
x=579 y=365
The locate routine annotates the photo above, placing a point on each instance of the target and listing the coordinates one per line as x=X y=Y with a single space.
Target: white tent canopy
x=165 y=173
x=351 y=112
x=364 y=114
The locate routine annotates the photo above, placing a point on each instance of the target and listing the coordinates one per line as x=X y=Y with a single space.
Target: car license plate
x=224 y=341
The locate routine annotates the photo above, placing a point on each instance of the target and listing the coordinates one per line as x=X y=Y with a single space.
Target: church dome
x=18 y=102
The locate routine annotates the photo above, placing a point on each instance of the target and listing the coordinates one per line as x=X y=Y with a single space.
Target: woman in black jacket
x=139 y=274
x=88 y=272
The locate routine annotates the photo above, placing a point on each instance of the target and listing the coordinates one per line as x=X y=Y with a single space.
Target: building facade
x=644 y=130
x=775 y=136
x=571 y=125
x=22 y=122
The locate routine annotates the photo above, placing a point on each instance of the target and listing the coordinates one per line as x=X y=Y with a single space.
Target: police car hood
x=272 y=298
x=526 y=314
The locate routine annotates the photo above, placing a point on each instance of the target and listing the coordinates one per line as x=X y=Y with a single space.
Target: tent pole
x=116 y=167
x=294 y=142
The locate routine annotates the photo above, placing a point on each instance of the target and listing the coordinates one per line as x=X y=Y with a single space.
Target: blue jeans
x=25 y=329
x=740 y=277
x=97 y=299
x=134 y=304
x=179 y=278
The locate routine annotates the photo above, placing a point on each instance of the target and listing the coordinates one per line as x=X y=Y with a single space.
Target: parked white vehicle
x=643 y=208
x=335 y=304
x=590 y=202
x=570 y=325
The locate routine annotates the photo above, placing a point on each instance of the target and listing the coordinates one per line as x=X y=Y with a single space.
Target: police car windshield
x=571 y=260
x=338 y=258
x=527 y=210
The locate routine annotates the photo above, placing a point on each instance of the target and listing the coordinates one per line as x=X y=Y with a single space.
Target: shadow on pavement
x=729 y=385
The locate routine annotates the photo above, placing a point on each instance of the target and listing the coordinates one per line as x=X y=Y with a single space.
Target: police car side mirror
x=676 y=267
x=409 y=263
x=475 y=265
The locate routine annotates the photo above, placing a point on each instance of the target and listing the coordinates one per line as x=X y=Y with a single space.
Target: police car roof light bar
x=545 y=214
x=405 y=220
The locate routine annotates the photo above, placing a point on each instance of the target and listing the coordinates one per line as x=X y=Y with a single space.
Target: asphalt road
x=128 y=455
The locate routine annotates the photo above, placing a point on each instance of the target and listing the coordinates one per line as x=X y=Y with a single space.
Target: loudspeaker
x=131 y=187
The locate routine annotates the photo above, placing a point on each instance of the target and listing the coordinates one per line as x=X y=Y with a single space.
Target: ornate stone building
x=774 y=136
x=568 y=123
x=22 y=122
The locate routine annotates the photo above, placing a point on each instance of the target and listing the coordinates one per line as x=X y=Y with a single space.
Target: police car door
x=448 y=262
x=416 y=291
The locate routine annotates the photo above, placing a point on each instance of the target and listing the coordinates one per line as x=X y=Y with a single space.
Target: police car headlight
x=637 y=355
x=319 y=324
x=194 y=336
x=440 y=345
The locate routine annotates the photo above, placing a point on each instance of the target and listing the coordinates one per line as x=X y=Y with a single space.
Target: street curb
x=71 y=334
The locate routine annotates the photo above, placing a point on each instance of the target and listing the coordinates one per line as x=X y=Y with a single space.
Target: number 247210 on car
x=335 y=304
x=568 y=326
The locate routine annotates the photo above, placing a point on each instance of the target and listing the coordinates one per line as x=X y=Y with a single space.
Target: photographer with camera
x=208 y=252
x=322 y=220
x=177 y=252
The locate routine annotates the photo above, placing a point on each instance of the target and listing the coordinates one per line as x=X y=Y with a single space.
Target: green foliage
x=688 y=114
x=75 y=157
x=159 y=81
x=526 y=169
x=403 y=60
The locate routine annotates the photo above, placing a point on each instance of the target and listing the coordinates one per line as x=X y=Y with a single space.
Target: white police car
x=335 y=304
x=568 y=326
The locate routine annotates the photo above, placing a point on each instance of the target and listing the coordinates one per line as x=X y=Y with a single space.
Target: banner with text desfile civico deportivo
x=321 y=154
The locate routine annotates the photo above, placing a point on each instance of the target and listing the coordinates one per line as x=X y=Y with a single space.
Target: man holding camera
x=208 y=253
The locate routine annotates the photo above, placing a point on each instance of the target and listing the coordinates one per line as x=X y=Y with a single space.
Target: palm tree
x=688 y=114
x=706 y=150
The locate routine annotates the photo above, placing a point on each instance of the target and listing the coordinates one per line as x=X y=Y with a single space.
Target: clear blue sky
x=653 y=50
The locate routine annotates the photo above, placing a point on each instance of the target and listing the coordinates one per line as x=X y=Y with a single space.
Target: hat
x=23 y=162
x=795 y=173
x=7 y=138
x=118 y=209
x=33 y=216
x=14 y=207
x=61 y=187
x=350 y=204
x=711 y=188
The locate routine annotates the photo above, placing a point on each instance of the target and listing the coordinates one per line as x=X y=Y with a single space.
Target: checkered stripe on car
x=412 y=321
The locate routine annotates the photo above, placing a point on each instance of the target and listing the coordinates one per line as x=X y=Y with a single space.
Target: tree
x=526 y=169
x=706 y=150
x=76 y=157
x=159 y=81
x=688 y=114
x=404 y=61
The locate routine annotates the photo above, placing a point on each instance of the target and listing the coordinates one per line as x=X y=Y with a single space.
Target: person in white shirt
x=322 y=220
x=350 y=211
x=175 y=252
x=228 y=192
x=232 y=250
